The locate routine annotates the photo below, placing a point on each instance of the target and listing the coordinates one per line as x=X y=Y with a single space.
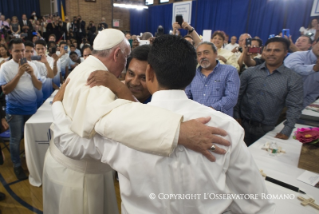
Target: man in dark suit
x=26 y=26
x=81 y=29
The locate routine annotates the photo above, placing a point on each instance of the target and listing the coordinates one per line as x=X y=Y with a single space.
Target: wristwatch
x=191 y=31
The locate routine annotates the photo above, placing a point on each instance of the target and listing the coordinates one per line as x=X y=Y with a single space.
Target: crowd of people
x=254 y=83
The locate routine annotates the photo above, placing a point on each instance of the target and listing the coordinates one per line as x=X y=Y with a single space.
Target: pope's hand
x=60 y=94
x=200 y=138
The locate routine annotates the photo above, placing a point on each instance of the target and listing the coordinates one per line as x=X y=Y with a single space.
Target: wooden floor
x=21 y=197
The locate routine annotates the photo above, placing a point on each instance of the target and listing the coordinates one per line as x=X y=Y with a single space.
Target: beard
x=204 y=63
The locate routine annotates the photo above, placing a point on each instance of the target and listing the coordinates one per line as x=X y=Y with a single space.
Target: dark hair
x=188 y=36
x=219 y=33
x=29 y=44
x=309 y=38
x=49 y=44
x=62 y=43
x=284 y=41
x=3 y=46
x=309 y=26
x=260 y=43
x=85 y=47
x=72 y=53
x=40 y=42
x=140 y=53
x=173 y=60
x=52 y=35
x=15 y=41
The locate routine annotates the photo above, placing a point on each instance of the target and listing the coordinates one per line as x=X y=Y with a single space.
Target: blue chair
x=5 y=139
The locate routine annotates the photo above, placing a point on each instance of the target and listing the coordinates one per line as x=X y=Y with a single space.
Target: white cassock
x=86 y=186
x=185 y=182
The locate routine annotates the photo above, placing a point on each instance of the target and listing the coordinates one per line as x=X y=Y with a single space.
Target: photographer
x=81 y=29
x=191 y=32
x=102 y=25
x=85 y=42
x=91 y=32
x=247 y=56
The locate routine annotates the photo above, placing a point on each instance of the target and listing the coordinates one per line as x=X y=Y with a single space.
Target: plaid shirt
x=218 y=90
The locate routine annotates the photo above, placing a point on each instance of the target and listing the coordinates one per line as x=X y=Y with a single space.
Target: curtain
x=138 y=21
x=226 y=15
x=298 y=15
x=256 y=17
x=11 y=8
x=59 y=2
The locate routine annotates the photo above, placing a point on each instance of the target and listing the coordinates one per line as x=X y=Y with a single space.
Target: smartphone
x=38 y=58
x=24 y=35
x=285 y=32
x=53 y=50
x=254 y=50
x=34 y=33
x=23 y=61
x=179 y=19
x=248 y=41
x=65 y=47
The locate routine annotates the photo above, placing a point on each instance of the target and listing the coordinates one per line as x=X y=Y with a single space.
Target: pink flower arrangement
x=307 y=135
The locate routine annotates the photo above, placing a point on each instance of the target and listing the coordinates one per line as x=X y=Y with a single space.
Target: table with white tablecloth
x=37 y=136
x=284 y=167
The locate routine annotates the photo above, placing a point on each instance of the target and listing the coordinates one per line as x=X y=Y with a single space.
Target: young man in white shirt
x=52 y=57
x=185 y=181
x=64 y=58
x=49 y=71
x=18 y=83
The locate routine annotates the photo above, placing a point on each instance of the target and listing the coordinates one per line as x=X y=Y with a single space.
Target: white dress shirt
x=231 y=46
x=96 y=110
x=185 y=172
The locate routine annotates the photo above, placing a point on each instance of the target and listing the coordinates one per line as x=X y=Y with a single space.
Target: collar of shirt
x=169 y=95
x=280 y=69
x=215 y=69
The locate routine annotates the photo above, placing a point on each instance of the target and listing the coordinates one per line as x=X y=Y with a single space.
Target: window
x=163 y=1
x=149 y=2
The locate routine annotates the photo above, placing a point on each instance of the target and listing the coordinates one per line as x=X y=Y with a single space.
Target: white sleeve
x=69 y=143
x=243 y=177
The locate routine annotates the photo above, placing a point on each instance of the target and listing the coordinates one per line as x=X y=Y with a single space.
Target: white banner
x=315 y=8
x=184 y=9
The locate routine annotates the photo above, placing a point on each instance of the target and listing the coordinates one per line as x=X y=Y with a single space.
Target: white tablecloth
x=284 y=167
x=36 y=139
x=310 y=112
